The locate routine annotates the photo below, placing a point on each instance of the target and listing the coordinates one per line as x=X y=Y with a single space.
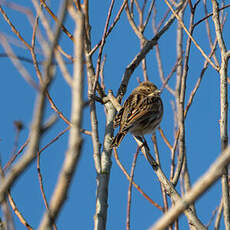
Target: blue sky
x=202 y=125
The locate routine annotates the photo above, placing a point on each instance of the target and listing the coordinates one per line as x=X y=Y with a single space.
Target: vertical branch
x=182 y=159
x=186 y=176
x=101 y=198
x=209 y=32
x=75 y=139
x=102 y=46
x=158 y=57
x=90 y=76
x=103 y=160
x=130 y=189
x=142 y=43
x=218 y=215
x=179 y=113
x=179 y=48
x=100 y=217
x=99 y=159
x=223 y=110
x=181 y=102
x=6 y=208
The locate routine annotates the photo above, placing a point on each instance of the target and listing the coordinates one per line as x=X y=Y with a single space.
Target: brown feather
x=141 y=113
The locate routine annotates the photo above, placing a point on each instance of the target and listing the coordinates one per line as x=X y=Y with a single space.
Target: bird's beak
x=157 y=92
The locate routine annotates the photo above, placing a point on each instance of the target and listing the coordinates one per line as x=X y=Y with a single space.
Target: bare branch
x=223 y=71
x=204 y=183
x=13 y=28
x=103 y=40
x=141 y=55
x=111 y=27
x=193 y=220
x=24 y=73
x=134 y=184
x=33 y=146
x=56 y=20
x=75 y=140
x=130 y=189
x=196 y=44
x=218 y=215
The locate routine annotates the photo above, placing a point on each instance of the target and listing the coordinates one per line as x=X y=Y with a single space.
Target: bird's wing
x=117 y=119
x=138 y=110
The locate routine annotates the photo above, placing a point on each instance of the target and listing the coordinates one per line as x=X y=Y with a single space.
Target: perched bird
x=141 y=113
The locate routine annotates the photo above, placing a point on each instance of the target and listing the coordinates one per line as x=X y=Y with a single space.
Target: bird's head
x=147 y=88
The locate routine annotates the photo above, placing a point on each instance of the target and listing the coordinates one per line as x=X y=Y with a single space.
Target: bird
x=141 y=113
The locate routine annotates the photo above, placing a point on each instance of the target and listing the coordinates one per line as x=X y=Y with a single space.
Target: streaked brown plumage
x=141 y=113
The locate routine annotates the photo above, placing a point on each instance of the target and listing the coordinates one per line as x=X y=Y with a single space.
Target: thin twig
x=18 y=213
x=136 y=30
x=162 y=20
x=56 y=20
x=134 y=184
x=159 y=61
x=214 y=212
x=218 y=215
x=148 y=15
x=130 y=188
x=9 y=223
x=103 y=40
x=209 y=32
x=209 y=15
x=39 y=169
x=18 y=126
x=13 y=28
x=197 y=85
x=102 y=72
x=111 y=27
x=195 y=43
x=33 y=146
x=180 y=105
x=139 y=57
x=12 y=159
x=42 y=187
x=165 y=138
x=23 y=72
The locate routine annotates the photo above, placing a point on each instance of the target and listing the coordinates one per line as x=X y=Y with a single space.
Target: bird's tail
x=117 y=139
